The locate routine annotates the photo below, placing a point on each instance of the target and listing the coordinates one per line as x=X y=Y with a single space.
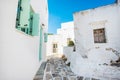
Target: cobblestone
x=79 y=78
x=48 y=76
x=57 y=78
x=56 y=69
x=59 y=70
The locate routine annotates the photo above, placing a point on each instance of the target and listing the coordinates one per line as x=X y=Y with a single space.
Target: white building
x=53 y=45
x=97 y=42
x=56 y=42
x=66 y=32
x=20 y=53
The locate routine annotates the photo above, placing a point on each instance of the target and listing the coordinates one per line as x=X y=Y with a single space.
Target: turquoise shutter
x=18 y=14
x=25 y=14
x=35 y=28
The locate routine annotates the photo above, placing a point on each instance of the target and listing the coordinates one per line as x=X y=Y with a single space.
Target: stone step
x=40 y=73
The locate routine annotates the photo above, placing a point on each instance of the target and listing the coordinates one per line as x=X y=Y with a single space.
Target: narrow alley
x=60 y=40
x=56 y=69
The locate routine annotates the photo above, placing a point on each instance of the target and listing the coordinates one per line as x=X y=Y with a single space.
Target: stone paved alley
x=56 y=69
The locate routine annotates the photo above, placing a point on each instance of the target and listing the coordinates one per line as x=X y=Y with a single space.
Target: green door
x=40 y=46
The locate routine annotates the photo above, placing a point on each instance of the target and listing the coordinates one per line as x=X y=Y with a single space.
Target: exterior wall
x=66 y=31
x=19 y=52
x=41 y=7
x=103 y=17
x=51 y=40
x=93 y=59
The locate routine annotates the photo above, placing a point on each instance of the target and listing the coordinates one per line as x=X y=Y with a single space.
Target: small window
x=99 y=35
x=55 y=46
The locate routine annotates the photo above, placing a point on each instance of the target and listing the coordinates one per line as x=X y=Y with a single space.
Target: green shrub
x=70 y=43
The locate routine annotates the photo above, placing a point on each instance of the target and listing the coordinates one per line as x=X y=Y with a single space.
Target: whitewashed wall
x=97 y=54
x=41 y=7
x=104 y=17
x=53 y=39
x=66 y=31
x=19 y=53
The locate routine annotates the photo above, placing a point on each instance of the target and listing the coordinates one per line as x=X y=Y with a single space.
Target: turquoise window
x=27 y=20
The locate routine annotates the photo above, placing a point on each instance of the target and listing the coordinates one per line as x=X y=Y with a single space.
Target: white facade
x=19 y=52
x=90 y=58
x=65 y=32
x=54 y=40
x=86 y=22
x=104 y=17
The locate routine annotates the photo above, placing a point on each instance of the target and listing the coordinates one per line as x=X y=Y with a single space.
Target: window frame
x=54 y=47
x=99 y=35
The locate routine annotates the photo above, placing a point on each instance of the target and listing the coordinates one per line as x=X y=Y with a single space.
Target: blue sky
x=62 y=10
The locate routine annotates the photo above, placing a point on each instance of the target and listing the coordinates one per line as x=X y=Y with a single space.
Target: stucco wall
x=93 y=59
x=104 y=17
x=41 y=7
x=19 y=53
x=66 y=31
x=53 y=39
